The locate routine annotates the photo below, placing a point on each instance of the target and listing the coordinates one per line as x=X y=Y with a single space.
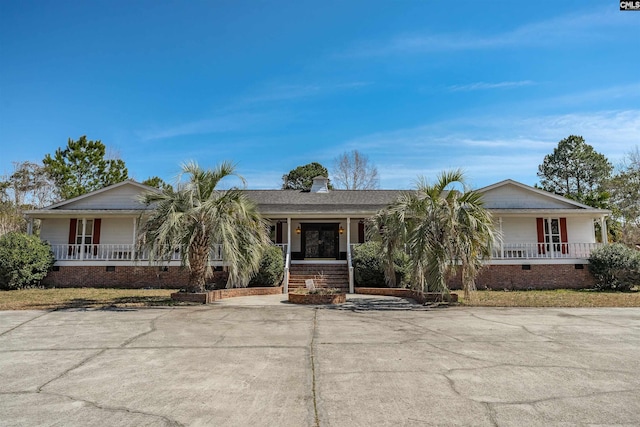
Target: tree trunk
x=198 y=259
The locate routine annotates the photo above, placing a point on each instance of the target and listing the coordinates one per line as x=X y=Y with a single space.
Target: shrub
x=271 y=268
x=218 y=280
x=615 y=267
x=24 y=260
x=369 y=268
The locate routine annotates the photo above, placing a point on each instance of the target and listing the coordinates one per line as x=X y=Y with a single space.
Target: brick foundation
x=132 y=277
x=540 y=276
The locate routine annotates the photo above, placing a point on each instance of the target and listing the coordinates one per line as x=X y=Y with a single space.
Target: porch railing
x=539 y=250
x=116 y=252
x=544 y=250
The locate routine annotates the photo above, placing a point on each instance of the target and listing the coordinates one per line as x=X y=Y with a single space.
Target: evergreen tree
x=301 y=178
x=575 y=170
x=82 y=167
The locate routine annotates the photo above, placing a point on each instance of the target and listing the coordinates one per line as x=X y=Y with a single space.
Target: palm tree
x=442 y=229
x=196 y=217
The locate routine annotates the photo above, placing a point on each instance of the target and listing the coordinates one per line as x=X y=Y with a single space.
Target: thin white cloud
x=222 y=123
x=486 y=86
x=618 y=92
x=291 y=92
x=556 y=31
x=491 y=149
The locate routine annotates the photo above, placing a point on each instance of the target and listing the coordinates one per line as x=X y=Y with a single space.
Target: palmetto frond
x=197 y=215
x=445 y=228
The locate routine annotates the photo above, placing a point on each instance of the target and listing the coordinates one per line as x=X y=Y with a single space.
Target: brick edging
x=317 y=298
x=211 y=296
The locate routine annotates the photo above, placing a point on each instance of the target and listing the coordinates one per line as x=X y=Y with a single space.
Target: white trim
x=102 y=190
x=70 y=213
x=534 y=190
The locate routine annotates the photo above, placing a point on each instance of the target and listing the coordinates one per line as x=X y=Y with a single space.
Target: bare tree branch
x=352 y=171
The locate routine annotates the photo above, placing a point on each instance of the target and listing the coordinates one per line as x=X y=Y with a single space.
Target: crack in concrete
x=588 y=317
x=313 y=368
x=489 y=405
x=515 y=326
x=76 y=366
x=167 y=420
x=550 y=399
x=492 y=414
x=24 y=323
x=152 y=328
x=169 y=347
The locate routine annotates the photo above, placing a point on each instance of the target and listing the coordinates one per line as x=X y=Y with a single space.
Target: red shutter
x=278 y=232
x=97 y=222
x=96 y=231
x=360 y=232
x=563 y=235
x=540 y=227
x=73 y=224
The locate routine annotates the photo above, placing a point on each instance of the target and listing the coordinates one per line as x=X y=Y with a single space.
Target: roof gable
x=121 y=196
x=510 y=194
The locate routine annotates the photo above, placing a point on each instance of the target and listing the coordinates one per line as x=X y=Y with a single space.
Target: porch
x=116 y=252
x=527 y=251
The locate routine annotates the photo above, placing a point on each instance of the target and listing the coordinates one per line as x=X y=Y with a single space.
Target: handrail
x=285 y=283
x=350 y=267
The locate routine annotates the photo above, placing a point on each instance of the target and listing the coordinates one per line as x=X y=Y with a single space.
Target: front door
x=320 y=240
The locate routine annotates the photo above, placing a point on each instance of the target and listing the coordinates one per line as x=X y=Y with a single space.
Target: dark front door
x=320 y=240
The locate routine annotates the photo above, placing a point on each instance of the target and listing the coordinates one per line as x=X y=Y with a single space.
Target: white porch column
x=288 y=258
x=84 y=230
x=552 y=248
x=134 y=238
x=348 y=236
x=501 y=239
x=603 y=230
x=289 y=237
x=30 y=227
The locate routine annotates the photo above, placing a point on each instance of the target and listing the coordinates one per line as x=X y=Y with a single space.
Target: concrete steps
x=324 y=275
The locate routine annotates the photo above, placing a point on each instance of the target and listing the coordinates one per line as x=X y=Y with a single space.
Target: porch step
x=324 y=275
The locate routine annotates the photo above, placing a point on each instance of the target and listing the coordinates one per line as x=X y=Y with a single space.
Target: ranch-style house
x=546 y=239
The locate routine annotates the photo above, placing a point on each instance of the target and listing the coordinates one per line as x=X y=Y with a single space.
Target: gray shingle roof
x=335 y=201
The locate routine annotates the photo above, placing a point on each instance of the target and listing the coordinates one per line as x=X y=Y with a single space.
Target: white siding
x=519 y=230
x=116 y=231
x=580 y=230
x=524 y=230
x=513 y=197
x=55 y=230
x=124 y=197
x=112 y=230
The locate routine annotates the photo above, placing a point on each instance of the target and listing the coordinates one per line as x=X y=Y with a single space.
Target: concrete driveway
x=378 y=361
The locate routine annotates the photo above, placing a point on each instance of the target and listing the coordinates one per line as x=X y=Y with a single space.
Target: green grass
x=50 y=299
x=555 y=298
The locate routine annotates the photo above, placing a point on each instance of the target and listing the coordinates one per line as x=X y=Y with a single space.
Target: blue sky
x=418 y=86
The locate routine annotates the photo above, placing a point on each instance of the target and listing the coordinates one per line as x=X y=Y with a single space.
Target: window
x=88 y=232
x=552 y=233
